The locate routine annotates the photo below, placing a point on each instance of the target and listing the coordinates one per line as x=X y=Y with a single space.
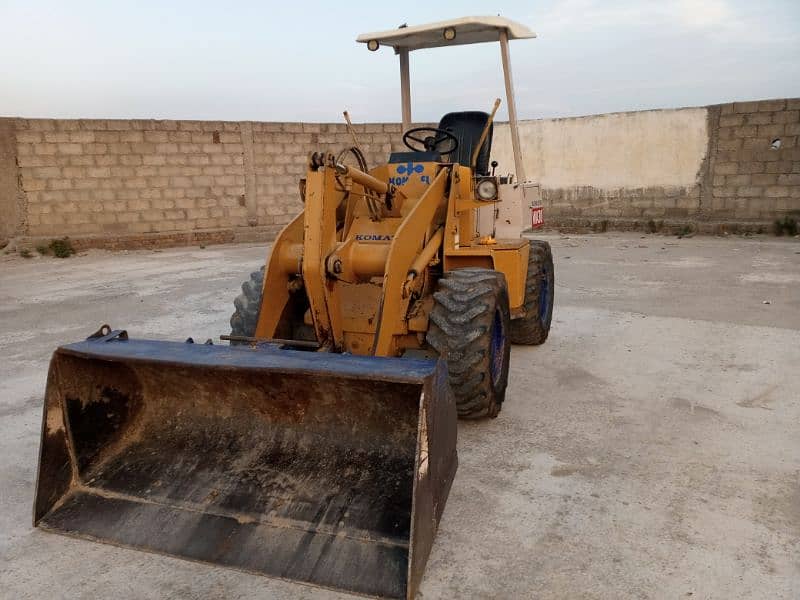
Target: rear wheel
x=244 y=320
x=469 y=327
x=248 y=306
x=533 y=328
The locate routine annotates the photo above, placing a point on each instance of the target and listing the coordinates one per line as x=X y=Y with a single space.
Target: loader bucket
x=327 y=469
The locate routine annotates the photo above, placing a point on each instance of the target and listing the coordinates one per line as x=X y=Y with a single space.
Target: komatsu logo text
x=373 y=237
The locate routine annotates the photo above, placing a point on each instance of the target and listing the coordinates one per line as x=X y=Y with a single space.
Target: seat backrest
x=467 y=127
x=404 y=157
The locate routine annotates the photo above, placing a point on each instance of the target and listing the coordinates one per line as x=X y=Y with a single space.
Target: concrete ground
x=650 y=449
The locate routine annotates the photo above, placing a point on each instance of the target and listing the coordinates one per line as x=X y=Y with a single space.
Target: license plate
x=537 y=216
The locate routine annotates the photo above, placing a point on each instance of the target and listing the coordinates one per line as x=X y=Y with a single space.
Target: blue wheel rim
x=496 y=355
x=544 y=295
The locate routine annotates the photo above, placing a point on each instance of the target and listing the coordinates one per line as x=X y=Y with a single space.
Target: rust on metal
x=281 y=342
x=327 y=469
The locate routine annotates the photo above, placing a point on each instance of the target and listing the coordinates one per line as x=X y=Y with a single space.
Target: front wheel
x=534 y=326
x=469 y=327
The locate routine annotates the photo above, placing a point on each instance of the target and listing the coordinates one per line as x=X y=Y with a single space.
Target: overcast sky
x=298 y=60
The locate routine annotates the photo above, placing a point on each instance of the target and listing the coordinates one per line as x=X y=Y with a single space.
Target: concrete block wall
x=643 y=165
x=755 y=170
x=280 y=155
x=713 y=168
x=12 y=201
x=114 y=178
x=129 y=177
x=132 y=183
x=631 y=204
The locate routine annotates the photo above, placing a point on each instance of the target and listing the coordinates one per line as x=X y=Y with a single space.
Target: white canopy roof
x=469 y=30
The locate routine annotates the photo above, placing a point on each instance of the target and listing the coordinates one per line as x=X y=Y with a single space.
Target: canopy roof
x=469 y=30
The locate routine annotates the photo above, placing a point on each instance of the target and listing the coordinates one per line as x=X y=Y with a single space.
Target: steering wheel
x=431 y=141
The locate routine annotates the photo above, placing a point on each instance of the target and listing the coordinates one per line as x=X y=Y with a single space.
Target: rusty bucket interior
x=325 y=469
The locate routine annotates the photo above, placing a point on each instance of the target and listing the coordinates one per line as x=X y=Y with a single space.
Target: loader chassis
x=356 y=273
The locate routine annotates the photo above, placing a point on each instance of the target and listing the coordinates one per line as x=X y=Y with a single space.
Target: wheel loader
x=319 y=445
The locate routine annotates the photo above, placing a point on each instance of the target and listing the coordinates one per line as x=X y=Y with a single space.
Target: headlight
x=486 y=189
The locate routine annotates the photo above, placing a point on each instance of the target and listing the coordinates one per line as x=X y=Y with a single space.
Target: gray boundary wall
x=134 y=183
x=723 y=167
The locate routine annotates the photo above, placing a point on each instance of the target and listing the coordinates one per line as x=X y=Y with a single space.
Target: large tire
x=248 y=305
x=469 y=324
x=532 y=329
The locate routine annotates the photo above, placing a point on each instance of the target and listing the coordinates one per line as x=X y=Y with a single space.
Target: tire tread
x=460 y=330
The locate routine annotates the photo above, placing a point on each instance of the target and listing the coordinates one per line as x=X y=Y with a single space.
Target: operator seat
x=467 y=127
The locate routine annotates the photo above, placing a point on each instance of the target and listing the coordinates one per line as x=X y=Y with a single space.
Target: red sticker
x=537 y=216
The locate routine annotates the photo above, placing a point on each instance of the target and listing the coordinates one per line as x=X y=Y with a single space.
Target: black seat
x=406 y=157
x=467 y=127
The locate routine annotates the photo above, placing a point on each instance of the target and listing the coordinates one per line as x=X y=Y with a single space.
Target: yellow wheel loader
x=320 y=444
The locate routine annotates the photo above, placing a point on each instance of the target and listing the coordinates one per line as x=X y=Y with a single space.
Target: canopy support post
x=405 y=88
x=512 y=106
